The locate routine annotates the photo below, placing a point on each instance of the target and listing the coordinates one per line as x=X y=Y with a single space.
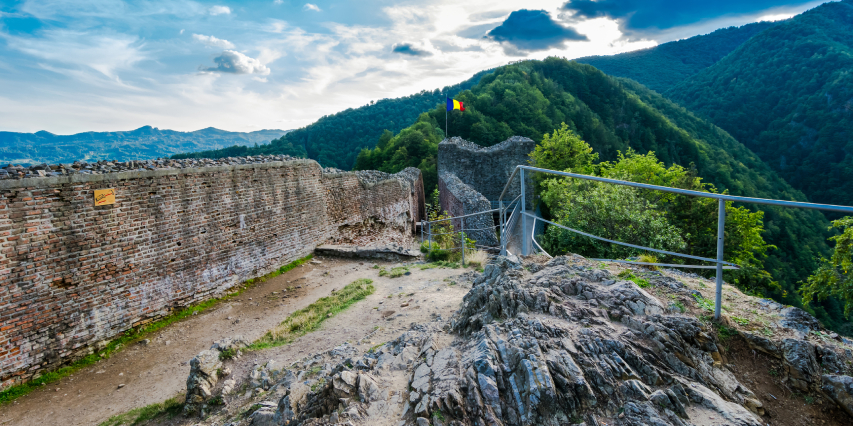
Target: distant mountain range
x=143 y=143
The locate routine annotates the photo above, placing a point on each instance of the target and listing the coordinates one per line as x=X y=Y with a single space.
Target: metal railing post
x=422 y=232
x=523 y=220
x=462 y=237
x=502 y=231
x=429 y=224
x=721 y=227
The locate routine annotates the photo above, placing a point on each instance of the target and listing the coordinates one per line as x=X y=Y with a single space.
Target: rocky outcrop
x=558 y=343
x=205 y=371
x=840 y=390
x=203 y=377
x=546 y=350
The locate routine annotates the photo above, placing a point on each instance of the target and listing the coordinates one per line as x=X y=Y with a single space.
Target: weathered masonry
x=74 y=275
x=486 y=169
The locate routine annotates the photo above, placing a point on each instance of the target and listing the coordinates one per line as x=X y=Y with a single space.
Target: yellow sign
x=105 y=196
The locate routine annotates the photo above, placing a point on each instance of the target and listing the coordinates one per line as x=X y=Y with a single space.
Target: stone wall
x=486 y=169
x=459 y=199
x=73 y=275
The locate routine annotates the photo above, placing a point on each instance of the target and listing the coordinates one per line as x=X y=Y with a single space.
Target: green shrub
x=439 y=255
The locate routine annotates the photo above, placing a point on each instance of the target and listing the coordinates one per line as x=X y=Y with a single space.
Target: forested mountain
x=787 y=94
x=533 y=98
x=662 y=67
x=335 y=140
x=143 y=143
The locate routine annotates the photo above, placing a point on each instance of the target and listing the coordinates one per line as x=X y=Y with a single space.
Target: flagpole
x=446 y=129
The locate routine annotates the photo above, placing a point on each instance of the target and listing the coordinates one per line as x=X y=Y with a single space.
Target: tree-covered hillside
x=533 y=98
x=662 y=67
x=335 y=140
x=787 y=94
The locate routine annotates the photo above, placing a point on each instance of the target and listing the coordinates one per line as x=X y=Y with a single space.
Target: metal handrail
x=689 y=256
x=726 y=197
x=669 y=265
x=462 y=217
x=533 y=238
x=508 y=181
x=721 y=218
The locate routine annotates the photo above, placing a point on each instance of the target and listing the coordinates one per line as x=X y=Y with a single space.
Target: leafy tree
x=692 y=219
x=563 y=150
x=834 y=277
x=616 y=212
x=415 y=146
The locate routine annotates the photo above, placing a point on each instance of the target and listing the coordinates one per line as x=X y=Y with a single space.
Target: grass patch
x=310 y=318
x=476 y=258
x=705 y=304
x=628 y=275
x=227 y=354
x=319 y=385
x=725 y=333
x=678 y=304
x=648 y=258
x=171 y=408
x=398 y=272
x=374 y=348
x=134 y=334
x=313 y=371
x=439 y=264
x=740 y=320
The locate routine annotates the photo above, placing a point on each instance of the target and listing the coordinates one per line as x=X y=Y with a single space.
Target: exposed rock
x=799 y=320
x=562 y=345
x=202 y=379
x=840 y=390
x=801 y=363
x=230 y=344
x=761 y=344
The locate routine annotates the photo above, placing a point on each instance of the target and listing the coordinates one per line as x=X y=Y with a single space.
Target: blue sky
x=69 y=66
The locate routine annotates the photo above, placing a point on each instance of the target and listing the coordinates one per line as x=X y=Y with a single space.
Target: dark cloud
x=408 y=49
x=641 y=15
x=533 y=30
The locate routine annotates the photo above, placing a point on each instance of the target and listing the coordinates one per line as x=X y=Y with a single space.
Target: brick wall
x=73 y=276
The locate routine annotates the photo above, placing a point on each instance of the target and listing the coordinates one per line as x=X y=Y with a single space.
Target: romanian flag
x=454 y=104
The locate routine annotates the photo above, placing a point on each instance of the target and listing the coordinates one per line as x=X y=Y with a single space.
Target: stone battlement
x=74 y=275
x=485 y=169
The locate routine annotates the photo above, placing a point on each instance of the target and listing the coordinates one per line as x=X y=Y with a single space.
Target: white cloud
x=213 y=41
x=310 y=6
x=219 y=10
x=96 y=72
x=67 y=49
x=231 y=61
x=278 y=2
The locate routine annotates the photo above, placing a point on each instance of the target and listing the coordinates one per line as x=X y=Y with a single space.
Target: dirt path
x=154 y=372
